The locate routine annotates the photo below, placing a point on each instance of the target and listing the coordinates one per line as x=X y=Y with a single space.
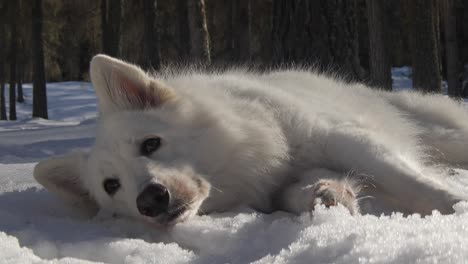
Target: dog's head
x=147 y=160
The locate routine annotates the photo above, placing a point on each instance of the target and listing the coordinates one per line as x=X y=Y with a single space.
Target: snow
x=35 y=227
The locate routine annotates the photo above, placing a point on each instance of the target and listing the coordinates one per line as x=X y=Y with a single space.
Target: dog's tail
x=444 y=124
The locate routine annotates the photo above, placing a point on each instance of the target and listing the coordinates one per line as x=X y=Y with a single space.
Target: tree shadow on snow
x=40 y=150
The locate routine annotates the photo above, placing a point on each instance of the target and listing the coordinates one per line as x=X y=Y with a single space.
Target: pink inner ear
x=137 y=95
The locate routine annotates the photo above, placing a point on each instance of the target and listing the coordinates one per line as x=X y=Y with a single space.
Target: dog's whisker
x=216 y=188
x=365 y=197
x=202 y=212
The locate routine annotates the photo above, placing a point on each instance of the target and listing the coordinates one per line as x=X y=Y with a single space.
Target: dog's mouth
x=175 y=214
x=171 y=217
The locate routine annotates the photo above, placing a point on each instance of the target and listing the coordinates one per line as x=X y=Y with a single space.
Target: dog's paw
x=333 y=192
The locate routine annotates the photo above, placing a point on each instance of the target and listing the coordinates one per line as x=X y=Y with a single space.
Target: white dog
x=171 y=146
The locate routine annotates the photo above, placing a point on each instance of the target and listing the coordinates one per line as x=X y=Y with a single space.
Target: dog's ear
x=123 y=86
x=62 y=176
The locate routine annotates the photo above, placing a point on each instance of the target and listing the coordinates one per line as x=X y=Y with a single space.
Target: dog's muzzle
x=153 y=200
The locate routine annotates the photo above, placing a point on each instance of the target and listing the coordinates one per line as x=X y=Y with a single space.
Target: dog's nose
x=153 y=200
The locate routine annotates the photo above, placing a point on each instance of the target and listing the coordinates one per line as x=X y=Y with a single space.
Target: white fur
x=255 y=139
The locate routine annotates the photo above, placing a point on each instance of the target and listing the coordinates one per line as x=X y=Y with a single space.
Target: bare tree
x=20 y=72
x=13 y=53
x=21 y=58
x=183 y=34
x=39 y=85
x=198 y=29
x=379 y=61
x=322 y=33
x=240 y=39
x=3 y=115
x=111 y=14
x=296 y=24
x=451 y=48
x=152 y=58
x=424 y=39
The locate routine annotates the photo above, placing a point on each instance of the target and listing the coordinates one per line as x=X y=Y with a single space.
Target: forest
x=45 y=41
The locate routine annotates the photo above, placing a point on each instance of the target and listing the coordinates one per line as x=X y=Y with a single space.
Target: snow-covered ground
x=35 y=227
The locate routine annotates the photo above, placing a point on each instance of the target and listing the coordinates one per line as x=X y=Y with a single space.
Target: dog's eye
x=150 y=145
x=111 y=186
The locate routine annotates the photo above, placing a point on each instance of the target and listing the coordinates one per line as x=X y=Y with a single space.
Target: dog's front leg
x=319 y=186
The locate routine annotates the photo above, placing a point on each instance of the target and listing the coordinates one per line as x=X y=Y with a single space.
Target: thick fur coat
x=285 y=140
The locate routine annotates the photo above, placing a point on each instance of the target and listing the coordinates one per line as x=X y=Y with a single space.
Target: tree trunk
x=240 y=40
x=3 y=115
x=320 y=33
x=296 y=25
x=436 y=25
x=111 y=12
x=260 y=24
x=183 y=36
x=379 y=61
x=39 y=85
x=451 y=48
x=20 y=72
x=424 y=47
x=13 y=55
x=152 y=58
x=199 y=36
x=19 y=84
